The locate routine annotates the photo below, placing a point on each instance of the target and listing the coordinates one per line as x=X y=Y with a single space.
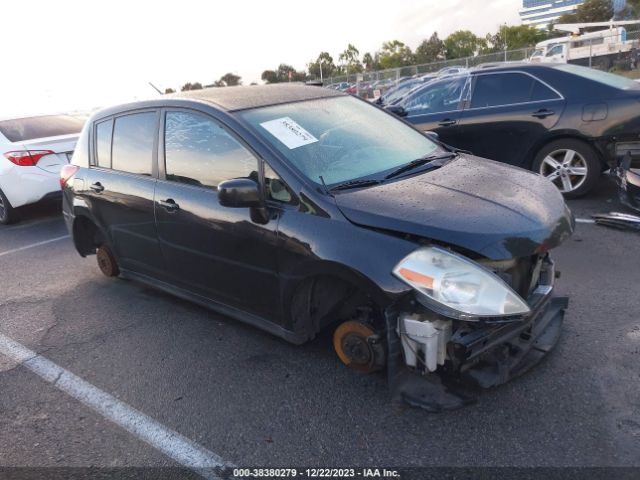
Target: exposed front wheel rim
x=566 y=168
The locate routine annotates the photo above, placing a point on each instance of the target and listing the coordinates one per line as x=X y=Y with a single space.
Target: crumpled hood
x=490 y=208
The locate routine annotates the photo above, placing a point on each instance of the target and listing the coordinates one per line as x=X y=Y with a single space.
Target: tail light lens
x=67 y=172
x=26 y=158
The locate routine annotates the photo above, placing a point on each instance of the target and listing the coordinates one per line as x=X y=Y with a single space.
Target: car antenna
x=155 y=88
x=326 y=189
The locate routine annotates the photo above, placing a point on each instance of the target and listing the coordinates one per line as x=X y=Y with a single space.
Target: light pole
x=504 y=39
x=320 y=65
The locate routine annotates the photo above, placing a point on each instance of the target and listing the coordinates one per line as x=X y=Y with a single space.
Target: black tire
x=107 y=262
x=560 y=172
x=7 y=212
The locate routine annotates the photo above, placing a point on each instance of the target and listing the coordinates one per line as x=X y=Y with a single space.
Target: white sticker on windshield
x=289 y=132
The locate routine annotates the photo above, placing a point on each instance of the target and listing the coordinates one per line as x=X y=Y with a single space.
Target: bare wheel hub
x=107 y=262
x=359 y=347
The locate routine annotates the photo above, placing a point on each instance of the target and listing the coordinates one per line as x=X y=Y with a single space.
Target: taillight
x=66 y=173
x=26 y=158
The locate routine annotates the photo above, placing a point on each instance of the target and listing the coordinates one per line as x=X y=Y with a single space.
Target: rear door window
x=200 y=152
x=133 y=140
x=497 y=89
x=501 y=89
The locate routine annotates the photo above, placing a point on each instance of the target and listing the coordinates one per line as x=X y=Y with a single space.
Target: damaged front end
x=438 y=360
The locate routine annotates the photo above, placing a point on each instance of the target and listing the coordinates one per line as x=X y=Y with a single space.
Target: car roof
x=242 y=98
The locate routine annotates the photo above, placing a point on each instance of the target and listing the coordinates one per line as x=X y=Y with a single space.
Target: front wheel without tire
x=107 y=262
x=572 y=165
x=7 y=212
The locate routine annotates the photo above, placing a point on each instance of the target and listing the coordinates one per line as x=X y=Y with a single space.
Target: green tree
x=430 y=50
x=463 y=43
x=395 y=54
x=328 y=67
x=169 y=90
x=514 y=37
x=231 y=80
x=369 y=62
x=269 y=76
x=590 y=11
x=284 y=73
x=191 y=86
x=350 y=60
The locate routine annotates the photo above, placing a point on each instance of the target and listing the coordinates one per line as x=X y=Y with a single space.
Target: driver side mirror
x=397 y=110
x=239 y=193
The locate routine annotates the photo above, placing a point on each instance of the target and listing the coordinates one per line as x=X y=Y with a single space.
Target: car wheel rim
x=566 y=168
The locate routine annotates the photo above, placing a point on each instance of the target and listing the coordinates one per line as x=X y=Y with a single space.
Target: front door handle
x=97 y=187
x=169 y=205
x=447 y=122
x=543 y=113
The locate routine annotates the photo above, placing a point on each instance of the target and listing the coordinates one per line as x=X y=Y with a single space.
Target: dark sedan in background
x=563 y=121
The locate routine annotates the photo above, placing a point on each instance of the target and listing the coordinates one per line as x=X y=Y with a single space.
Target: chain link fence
x=601 y=52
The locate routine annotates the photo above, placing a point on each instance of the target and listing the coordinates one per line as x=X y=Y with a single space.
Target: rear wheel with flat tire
x=572 y=165
x=107 y=262
x=7 y=212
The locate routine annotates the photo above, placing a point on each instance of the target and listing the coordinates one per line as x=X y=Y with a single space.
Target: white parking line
x=9 y=252
x=184 y=451
x=25 y=225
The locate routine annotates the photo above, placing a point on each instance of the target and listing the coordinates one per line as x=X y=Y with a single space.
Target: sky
x=69 y=55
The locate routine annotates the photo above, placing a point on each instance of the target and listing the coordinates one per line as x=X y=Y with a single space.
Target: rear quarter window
x=24 y=129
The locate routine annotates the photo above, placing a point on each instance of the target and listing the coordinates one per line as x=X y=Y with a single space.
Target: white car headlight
x=458 y=287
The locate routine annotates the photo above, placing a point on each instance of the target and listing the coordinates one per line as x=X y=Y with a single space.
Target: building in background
x=539 y=13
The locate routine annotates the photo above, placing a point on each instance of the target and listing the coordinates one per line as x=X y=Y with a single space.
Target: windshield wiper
x=429 y=159
x=355 y=184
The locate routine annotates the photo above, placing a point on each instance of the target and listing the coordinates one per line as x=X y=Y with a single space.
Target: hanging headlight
x=457 y=287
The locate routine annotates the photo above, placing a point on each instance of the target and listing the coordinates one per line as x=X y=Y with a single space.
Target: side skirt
x=235 y=313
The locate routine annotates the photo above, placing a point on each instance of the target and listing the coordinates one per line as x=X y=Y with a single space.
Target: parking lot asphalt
x=255 y=400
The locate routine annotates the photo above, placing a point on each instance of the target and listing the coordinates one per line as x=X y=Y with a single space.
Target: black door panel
x=123 y=204
x=218 y=251
x=506 y=133
x=444 y=124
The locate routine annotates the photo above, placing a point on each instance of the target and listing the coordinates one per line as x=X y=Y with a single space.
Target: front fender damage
x=481 y=357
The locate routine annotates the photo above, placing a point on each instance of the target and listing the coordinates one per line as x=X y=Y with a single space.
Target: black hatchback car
x=284 y=207
x=563 y=121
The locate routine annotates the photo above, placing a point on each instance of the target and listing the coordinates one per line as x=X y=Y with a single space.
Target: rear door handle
x=97 y=187
x=447 y=122
x=169 y=205
x=543 y=113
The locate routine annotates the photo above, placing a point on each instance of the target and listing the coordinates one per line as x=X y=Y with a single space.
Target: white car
x=33 y=150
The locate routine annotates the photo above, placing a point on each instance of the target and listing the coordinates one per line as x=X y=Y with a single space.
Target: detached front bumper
x=628 y=183
x=482 y=357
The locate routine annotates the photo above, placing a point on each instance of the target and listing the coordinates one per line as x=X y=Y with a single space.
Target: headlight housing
x=457 y=287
